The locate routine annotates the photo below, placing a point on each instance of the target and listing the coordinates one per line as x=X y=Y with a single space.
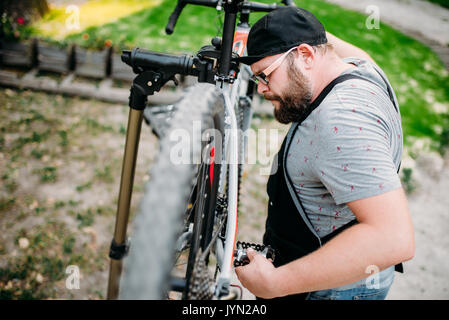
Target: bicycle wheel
x=175 y=181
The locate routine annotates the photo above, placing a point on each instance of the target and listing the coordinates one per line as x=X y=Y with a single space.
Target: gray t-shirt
x=349 y=148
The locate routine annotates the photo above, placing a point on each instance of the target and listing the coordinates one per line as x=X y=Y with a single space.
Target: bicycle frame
x=154 y=70
x=231 y=99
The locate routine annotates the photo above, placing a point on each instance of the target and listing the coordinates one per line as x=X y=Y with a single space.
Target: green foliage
x=407 y=180
x=9 y=183
x=95 y=126
x=51 y=249
x=146 y=28
x=444 y=138
x=85 y=219
x=47 y=174
x=63 y=136
x=35 y=137
x=14 y=28
x=53 y=268
x=37 y=153
x=84 y=186
x=105 y=174
x=415 y=72
x=443 y=3
x=6 y=203
x=68 y=245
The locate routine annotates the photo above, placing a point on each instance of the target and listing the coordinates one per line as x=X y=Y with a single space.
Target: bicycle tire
x=205 y=225
x=159 y=219
x=206 y=197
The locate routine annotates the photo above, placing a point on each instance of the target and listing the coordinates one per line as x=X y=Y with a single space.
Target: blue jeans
x=375 y=287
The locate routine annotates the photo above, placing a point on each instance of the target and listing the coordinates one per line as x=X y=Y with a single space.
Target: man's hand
x=258 y=275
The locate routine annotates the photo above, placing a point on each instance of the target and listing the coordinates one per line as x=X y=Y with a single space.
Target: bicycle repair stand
x=143 y=85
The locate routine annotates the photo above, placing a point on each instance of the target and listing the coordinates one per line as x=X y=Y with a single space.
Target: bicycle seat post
x=231 y=10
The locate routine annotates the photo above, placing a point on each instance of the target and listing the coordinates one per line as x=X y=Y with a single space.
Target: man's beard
x=296 y=98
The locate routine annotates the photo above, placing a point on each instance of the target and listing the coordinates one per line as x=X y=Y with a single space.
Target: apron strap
x=313 y=106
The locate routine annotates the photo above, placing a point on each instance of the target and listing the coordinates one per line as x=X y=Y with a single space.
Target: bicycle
x=195 y=206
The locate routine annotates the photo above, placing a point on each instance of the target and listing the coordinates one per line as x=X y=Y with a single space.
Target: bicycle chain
x=240 y=252
x=202 y=285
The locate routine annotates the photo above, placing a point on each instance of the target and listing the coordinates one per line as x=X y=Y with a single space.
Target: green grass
x=416 y=73
x=84 y=186
x=443 y=3
x=407 y=180
x=47 y=174
x=52 y=247
x=85 y=219
x=196 y=26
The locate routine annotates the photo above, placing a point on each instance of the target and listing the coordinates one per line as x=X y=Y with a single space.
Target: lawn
x=443 y=3
x=60 y=162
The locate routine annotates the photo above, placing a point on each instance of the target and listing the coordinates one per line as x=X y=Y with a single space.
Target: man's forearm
x=344 y=49
x=343 y=260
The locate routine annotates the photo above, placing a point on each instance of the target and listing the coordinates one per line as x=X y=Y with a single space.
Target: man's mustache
x=271 y=97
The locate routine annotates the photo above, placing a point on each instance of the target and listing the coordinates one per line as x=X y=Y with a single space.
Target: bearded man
x=337 y=215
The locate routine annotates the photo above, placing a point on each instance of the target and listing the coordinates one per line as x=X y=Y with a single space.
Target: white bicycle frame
x=231 y=95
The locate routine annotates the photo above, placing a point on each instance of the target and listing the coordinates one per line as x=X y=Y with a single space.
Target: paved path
x=422 y=20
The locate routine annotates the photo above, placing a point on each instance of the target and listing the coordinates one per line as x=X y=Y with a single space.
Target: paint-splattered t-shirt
x=349 y=148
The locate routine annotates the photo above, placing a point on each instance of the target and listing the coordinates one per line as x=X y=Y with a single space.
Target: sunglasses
x=262 y=76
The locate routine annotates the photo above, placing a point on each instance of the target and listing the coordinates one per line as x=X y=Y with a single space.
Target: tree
x=28 y=8
x=15 y=14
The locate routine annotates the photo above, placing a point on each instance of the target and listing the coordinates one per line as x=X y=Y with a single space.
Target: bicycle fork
x=120 y=245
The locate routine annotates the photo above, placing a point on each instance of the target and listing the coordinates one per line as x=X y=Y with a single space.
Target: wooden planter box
x=120 y=70
x=92 y=64
x=17 y=54
x=54 y=59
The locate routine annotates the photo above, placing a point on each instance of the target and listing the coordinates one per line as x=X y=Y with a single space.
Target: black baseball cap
x=280 y=30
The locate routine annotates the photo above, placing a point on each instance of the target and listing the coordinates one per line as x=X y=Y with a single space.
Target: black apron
x=288 y=229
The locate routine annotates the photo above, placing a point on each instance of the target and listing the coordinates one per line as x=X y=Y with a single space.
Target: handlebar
x=180 y=6
x=252 y=6
x=259 y=7
x=174 y=17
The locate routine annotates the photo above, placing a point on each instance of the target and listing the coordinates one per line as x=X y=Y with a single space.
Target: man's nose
x=261 y=87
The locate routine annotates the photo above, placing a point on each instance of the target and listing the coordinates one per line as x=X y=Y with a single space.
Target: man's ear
x=307 y=54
